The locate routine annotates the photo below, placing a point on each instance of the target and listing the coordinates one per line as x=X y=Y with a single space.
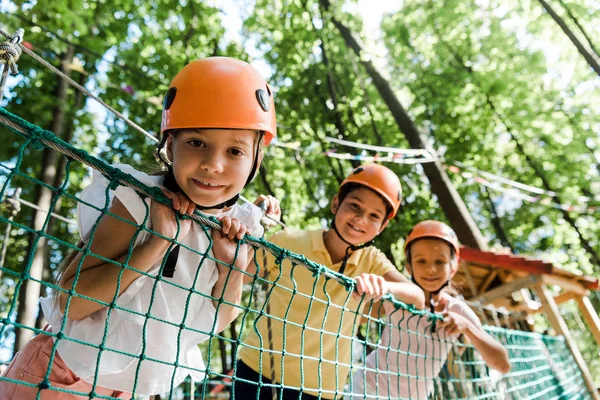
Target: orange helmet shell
x=380 y=179
x=220 y=93
x=433 y=229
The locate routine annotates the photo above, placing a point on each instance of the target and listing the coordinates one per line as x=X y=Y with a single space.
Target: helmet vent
x=169 y=98
x=263 y=99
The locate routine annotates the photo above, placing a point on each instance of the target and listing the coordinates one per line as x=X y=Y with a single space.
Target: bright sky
x=372 y=11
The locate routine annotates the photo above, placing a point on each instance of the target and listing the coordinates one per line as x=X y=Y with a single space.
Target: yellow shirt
x=313 y=320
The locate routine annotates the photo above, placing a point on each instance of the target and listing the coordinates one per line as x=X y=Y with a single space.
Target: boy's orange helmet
x=380 y=179
x=433 y=229
x=220 y=92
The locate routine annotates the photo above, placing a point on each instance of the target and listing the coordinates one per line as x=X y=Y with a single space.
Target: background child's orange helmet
x=220 y=92
x=380 y=179
x=433 y=229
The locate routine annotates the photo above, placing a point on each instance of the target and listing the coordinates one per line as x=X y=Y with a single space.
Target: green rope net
x=326 y=351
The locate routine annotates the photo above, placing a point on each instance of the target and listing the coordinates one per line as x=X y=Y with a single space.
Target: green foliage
x=484 y=92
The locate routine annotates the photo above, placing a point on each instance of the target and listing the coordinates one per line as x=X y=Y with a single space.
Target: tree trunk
x=331 y=86
x=30 y=290
x=333 y=163
x=583 y=31
x=58 y=181
x=495 y=219
x=582 y=50
x=367 y=100
x=453 y=206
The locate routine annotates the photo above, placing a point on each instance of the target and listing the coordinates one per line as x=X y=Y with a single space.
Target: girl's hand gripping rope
x=372 y=286
x=163 y=217
x=225 y=243
x=455 y=323
x=271 y=210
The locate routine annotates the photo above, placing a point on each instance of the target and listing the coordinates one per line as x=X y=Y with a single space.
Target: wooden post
x=590 y=315
x=559 y=325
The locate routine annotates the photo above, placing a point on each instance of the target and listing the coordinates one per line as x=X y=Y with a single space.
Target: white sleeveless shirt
x=165 y=302
x=409 y=356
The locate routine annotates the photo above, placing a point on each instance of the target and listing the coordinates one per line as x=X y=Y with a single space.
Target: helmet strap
x=261 y=135
x=350 y=247
x=160 y=147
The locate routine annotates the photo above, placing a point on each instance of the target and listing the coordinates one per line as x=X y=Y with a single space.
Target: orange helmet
x=380 y=179
x=433 y=229
x=220 y=92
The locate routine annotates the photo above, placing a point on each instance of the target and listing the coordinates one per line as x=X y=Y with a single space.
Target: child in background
x=301 y=349
x=412 y=351
x=218 y=114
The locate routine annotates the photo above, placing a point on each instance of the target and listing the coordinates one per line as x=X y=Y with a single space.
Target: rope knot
x=115 y=176
x=281 y=256
x=37 y=134
x=114 y=184
x=349 y=284
x=10 y=51
x=44 y=384
x=319 y=269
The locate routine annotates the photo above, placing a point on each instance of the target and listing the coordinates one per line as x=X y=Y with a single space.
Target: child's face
x=212 y=165
x=432 y=264
x=361 y=216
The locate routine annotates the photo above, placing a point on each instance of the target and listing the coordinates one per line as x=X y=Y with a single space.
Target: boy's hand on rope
x=454 y=323
x=225 y=242
x=271 y=209
x=372 y=286
x=163 y=217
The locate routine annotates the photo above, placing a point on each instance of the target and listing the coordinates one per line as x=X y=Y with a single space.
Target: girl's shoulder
x=98 y=179
x=143 y=177
x=98 y=196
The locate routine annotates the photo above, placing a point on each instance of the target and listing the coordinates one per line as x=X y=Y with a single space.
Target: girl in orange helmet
x=412 y=350
x=302 y=345
x=140 y=304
